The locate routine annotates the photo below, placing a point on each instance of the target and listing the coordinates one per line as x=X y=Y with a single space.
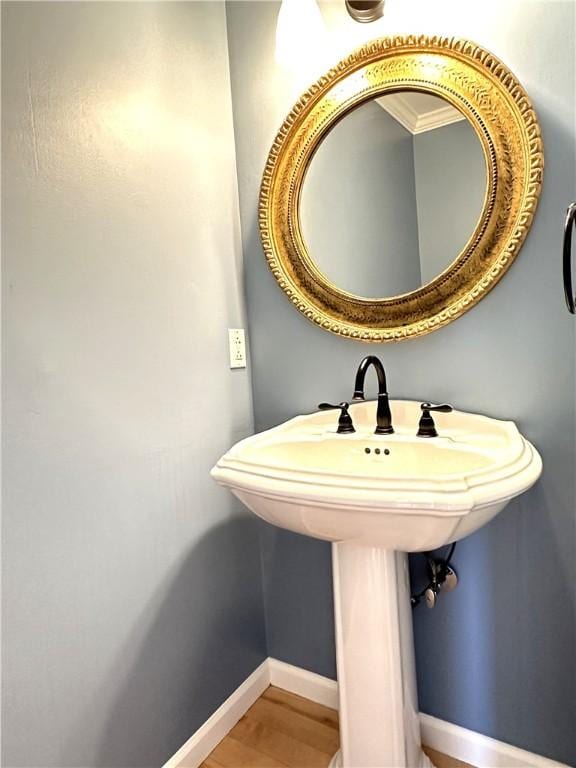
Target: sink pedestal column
x=379 y=725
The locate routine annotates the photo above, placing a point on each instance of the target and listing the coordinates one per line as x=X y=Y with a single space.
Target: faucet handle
x=426 y=426
x=444 y=408
x=345 y=424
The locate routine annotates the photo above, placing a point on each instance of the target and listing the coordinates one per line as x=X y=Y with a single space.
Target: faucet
x=383 y=414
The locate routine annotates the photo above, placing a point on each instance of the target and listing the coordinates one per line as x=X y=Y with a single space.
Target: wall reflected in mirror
x=393 y=194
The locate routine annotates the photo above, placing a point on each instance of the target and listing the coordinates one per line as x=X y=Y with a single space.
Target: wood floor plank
x=443 y=761
x=282 y=730
x=310 y=709
x=318 y=735
x=231 y=753
x=279 y=745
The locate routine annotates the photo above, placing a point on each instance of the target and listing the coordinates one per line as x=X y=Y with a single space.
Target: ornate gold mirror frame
x=487 y=93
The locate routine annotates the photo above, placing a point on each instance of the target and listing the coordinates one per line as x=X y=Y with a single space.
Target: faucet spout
x=383 y=414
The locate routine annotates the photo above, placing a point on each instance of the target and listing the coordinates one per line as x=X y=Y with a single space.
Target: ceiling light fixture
x=365 y=11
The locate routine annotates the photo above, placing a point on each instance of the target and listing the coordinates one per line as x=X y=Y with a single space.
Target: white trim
x=418 y=122
x=401 y=110
x=311 y=686
x=437 y=118
x=476 y=749
x=452 y=740
x=220 y=723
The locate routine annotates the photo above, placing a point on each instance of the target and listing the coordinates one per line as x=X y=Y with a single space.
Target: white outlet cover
x=237 y=345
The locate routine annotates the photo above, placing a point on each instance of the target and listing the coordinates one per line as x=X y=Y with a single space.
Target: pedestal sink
x=377 y=497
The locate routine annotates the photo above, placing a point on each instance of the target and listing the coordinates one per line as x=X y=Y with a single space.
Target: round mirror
x=393 y=194
x=400 y=187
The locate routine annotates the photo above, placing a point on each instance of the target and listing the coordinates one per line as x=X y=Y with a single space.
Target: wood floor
x=283 y=730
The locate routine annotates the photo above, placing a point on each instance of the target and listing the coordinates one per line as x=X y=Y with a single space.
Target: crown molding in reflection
x=418 y=122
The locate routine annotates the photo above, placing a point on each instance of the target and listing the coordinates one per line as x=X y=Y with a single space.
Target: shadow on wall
x=481 y=637
x=183 y=624
x=297 y=574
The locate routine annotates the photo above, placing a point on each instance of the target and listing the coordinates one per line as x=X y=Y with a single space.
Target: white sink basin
x=377 y=497
x=414 y=494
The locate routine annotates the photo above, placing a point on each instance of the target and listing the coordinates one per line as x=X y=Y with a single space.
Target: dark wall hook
x=569 y=225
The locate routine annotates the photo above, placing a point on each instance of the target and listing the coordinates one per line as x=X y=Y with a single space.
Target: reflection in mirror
x=393 y=194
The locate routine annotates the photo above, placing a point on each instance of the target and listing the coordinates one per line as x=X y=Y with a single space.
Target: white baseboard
x=311 y=686
x=210 y=734
x=476 y=749
x=453 y=740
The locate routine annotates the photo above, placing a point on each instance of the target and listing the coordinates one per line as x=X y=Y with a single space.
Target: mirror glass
x=393 y=194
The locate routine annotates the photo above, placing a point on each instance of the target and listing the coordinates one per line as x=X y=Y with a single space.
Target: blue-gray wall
x=132 y=586
x=449 y=166
x=497 y=655
x=358 y=204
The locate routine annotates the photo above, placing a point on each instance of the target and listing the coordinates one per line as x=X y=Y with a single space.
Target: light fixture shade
x=301 y=38
x=365 y=10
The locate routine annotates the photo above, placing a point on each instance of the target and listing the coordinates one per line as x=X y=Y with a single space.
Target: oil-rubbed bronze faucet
x=426 y=426
x=383 y=415
x=345 y=424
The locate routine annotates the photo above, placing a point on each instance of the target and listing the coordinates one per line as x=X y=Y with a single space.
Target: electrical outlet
x=237 y=344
